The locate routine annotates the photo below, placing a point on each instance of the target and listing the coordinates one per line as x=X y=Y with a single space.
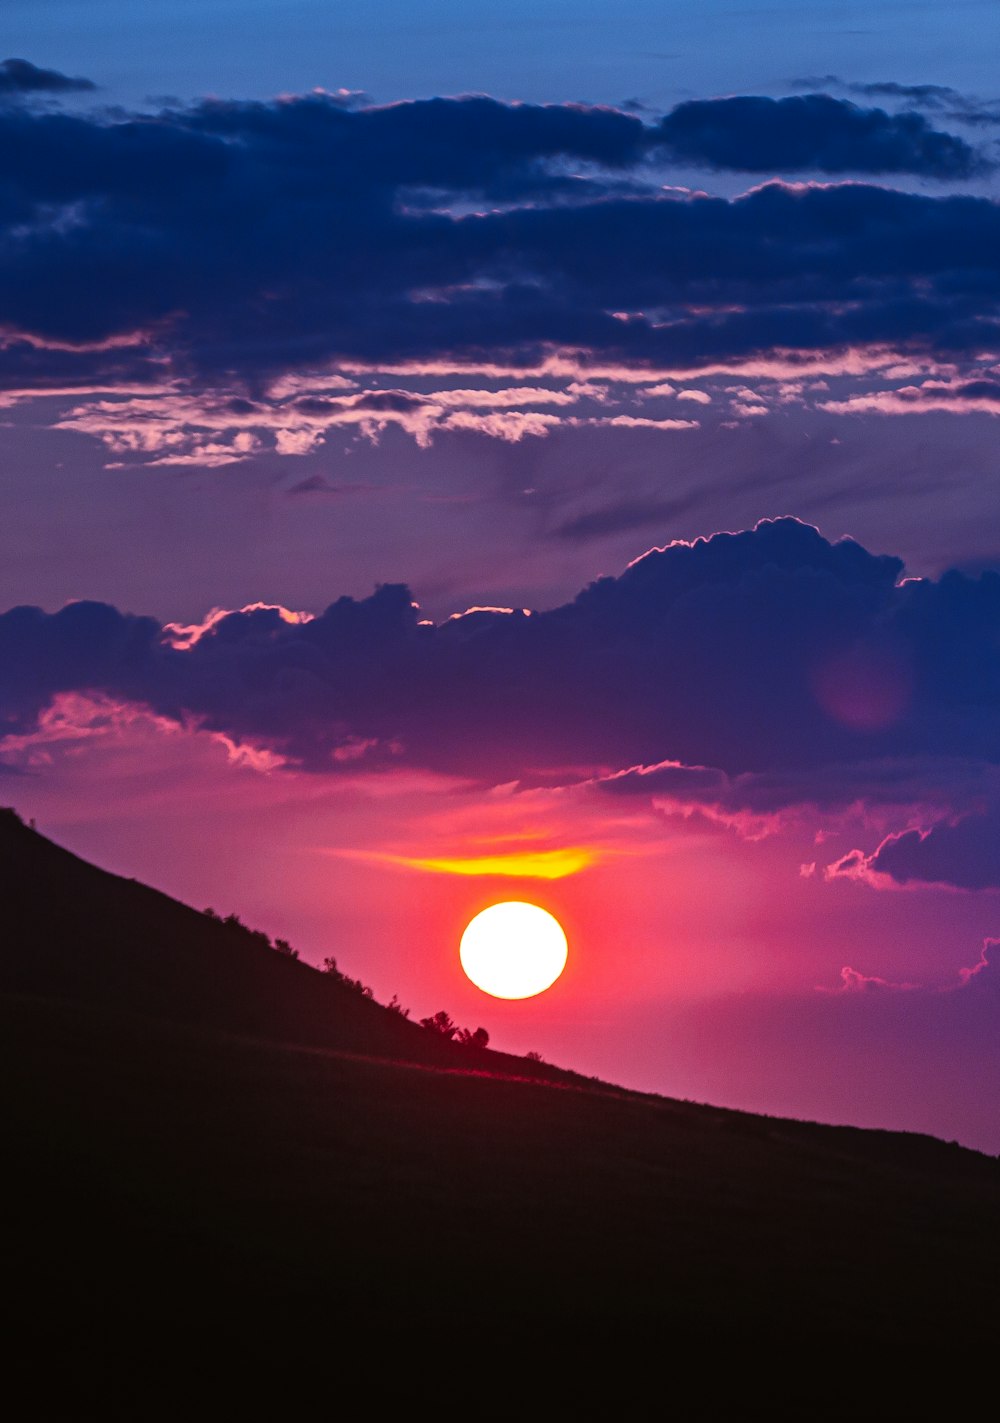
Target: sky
x=456 y=453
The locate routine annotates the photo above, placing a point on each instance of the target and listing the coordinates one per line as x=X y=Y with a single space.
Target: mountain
x=239 y=1185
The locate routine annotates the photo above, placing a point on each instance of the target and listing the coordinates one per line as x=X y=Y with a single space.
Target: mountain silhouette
x=239 y=1185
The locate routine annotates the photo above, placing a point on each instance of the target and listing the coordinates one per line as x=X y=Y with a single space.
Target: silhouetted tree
x=534 y=1057
x=394 y=1006
x=330 y=966
x=284 y=948
x=440 y=1023
x=468 y=1038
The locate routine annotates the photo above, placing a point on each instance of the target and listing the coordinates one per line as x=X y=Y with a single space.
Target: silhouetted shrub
x=357 y=985
x=394 y=1006
x=440 y=1023
x=284 y=948
x=468 y=1038
x=329 y=966
x=534 y=1057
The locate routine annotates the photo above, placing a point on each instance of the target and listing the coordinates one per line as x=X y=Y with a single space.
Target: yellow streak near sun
x=521 y=864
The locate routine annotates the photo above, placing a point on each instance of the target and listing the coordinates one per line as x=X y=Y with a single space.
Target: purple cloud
x=761 y=802
x=983 y=973
x=226 y=244
x=851 y=981
x=705 y=654
x=964 y=854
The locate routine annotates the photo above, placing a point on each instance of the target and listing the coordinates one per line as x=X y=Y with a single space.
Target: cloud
x=963 y=108
x=212 y=251
x=167 y=427
x=759 y=803
x=640 y=422
x=19 y=77
x=624 y=514
x=712 y=655
x=983 y=973
x=851 y=981
x=980 y=976
x=319 y=484
x=926 y=95
x=958 y=397
x=812 y=133
x=964 y=854
x=930 y=95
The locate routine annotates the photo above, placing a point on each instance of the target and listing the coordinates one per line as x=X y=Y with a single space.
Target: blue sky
x=654 y=50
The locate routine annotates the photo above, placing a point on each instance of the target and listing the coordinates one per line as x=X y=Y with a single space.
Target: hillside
x=76 y=932
x=234 y=1174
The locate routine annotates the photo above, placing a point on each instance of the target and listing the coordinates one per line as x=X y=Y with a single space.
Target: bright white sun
x=513 y=950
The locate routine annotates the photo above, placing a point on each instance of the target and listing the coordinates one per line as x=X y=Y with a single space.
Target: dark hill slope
x=70 y=930
x=206 y=1223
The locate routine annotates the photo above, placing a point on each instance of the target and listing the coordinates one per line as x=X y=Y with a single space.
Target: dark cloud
x=230 y=242
x=812 y=133
x=24 y=364
x=19 y=77
x=950 y=103
x=312 y=484
x=979 y=390
x=940 y=98
x=625 y=514
x=754 y=798
x=930 y=95
x=713 y=654
x=380 y=401
x=965 y=855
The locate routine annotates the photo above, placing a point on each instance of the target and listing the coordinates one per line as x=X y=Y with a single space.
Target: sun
x=513 y=950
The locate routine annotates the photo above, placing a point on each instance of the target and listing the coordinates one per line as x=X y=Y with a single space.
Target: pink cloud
x=77 y=723
x=636 y=422
x=983 y=971
x=968 y=396
x=186 y=635
x=985 y=968
x=509 y=425
x=168 y=427
x=851 y=981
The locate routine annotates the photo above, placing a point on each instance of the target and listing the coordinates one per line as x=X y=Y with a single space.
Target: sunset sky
x=456 y=452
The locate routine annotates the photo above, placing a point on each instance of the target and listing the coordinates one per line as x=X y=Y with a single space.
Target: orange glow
x=519 y=864
x=513 y=950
